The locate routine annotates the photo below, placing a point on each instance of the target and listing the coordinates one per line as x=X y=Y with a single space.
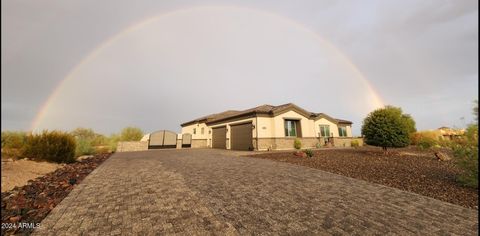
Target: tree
x=131 y=134
x=388 y=127
x=410 y=123
x=83 y=133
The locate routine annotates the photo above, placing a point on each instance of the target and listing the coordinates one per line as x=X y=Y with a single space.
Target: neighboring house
x=449 y=133
x=268 y=127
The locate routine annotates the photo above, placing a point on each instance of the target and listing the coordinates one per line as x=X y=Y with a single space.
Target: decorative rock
x=442 y=156
x=31 y=203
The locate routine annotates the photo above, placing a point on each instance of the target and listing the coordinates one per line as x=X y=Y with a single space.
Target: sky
x=110 y=64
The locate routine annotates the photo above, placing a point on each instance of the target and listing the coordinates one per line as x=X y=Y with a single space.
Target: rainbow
x=376 y=101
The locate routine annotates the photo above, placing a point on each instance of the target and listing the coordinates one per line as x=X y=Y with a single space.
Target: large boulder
x=441 y=156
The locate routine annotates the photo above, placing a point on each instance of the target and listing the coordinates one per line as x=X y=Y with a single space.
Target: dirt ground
x=408 y=169
x=18 y=172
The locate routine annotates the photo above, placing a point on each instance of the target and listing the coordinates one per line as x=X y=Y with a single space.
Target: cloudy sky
x=155 y=64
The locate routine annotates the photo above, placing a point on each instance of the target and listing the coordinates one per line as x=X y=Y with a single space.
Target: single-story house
x=268 y=127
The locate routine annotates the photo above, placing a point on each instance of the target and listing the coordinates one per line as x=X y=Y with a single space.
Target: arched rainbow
x=376 y=102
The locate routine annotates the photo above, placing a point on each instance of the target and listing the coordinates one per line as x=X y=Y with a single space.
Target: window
x=194 y=130
x=342 y=131
x=202 y=130
x=325 y=131
x=290 y=128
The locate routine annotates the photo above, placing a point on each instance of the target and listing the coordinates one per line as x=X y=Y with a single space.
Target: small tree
x=388 y=127
x=131 y=134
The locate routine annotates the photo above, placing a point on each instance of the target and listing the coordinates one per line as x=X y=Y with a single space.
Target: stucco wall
x=199 y=143
x=198 y=134
x=132 y=146
x=279 y=125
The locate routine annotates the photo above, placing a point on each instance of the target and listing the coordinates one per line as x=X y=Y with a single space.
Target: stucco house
x=268 y=127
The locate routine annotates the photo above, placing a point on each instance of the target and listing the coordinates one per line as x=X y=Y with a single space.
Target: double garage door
x=240 y=137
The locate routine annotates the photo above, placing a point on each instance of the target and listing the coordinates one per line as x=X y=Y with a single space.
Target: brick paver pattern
x=219 y=192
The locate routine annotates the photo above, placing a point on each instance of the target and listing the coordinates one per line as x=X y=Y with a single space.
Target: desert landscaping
x=411 y=169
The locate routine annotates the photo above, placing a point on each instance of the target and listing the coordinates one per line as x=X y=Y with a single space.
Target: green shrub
x=426 y=142
x=318 y=145
x=84 y=147
x=355 y=143
x=387 y=127
x=308 y=152
x=466 y=157
x=13 y=139
x=52 y=146
x=131 y=134
x=297 y=144
x=113 y=141
x=14 y=153
x=428 y=135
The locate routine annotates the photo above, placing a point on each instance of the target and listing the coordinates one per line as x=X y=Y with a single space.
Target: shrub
x=53 y=146
x=466 y=157
x=297 y=144
x=131 y=134
x=13 y=139
x=426 y=142
x=12 y=143
x=355 y=143
x=102 y=149
x=429 y=135
x=387 y=127
x=113 y=141
x=308 y=152
x=84 y=147
x=318 y=145
x=84 y=134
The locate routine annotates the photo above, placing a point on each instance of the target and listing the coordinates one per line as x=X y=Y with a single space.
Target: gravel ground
x=19 y=172
x=409 y=169
x=31 y=203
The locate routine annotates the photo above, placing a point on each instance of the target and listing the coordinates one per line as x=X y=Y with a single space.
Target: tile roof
x=264 y=109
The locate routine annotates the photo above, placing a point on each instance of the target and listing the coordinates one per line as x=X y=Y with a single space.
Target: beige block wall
x=132 y=146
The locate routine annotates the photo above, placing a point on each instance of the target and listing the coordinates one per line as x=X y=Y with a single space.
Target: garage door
x=219 y=137
x=242 y=137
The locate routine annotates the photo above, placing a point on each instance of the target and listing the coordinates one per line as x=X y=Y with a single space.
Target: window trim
x=340 y=129
x=295 y=127
x=328 y=134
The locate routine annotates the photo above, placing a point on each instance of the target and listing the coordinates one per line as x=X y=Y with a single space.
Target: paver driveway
x=217 y=192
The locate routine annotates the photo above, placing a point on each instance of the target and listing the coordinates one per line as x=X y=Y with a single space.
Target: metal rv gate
x=162 y=139
x=186 y=140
